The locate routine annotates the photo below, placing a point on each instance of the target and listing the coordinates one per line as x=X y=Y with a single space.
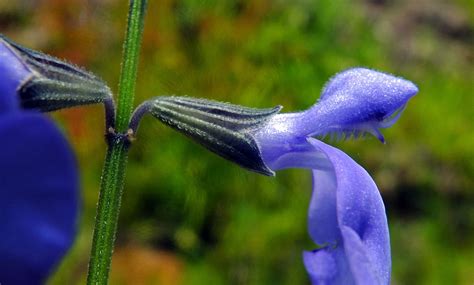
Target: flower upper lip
x=355 y=102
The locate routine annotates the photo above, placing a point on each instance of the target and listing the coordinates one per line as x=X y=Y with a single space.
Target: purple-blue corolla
x=346 y=216
x=38 y=184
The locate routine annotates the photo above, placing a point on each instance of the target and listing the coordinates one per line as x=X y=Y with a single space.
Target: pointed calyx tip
x=51 y=84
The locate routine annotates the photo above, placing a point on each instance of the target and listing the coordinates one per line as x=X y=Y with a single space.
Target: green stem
x=131 y=49
x=107 y=214
x=113 y=172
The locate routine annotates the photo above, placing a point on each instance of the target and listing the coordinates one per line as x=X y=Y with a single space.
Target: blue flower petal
x=38 y=198
x=363 y=268
x=328 y=266
x=323 y=225
x=12 y=73
x=346 y=214
x=354 y=102
x=357 y=101
x=360 y=216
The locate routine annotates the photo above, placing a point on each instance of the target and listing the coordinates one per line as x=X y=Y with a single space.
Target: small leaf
x=223 y=128
x=55 y=84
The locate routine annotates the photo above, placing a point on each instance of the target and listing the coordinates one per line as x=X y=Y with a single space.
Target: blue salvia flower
x=346 y=215
x=38 y=180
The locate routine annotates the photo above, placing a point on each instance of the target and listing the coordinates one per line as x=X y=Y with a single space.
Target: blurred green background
x=190 y=217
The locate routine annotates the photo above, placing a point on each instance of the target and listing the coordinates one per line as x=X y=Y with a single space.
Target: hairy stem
x=107 y=214
x=113 y=172
x=131 y=49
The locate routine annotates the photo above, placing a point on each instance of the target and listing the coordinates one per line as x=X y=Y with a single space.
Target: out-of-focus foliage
x=189 y=217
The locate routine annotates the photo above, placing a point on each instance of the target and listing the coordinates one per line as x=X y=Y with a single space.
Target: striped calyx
x=55 y=84
x=223 y=128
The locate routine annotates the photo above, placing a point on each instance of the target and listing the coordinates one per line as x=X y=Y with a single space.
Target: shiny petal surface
x=12 y=72
x=38 y=198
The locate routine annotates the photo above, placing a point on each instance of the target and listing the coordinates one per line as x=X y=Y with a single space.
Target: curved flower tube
x=38 y=184
x=346 y=214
